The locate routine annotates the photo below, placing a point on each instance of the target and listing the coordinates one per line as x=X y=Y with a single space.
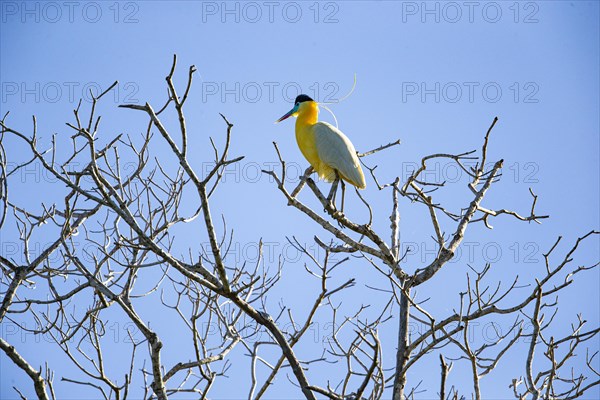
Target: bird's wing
x=336 y=150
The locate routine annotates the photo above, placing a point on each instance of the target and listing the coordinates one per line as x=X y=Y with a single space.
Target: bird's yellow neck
x=306 y=118
x=308 y=114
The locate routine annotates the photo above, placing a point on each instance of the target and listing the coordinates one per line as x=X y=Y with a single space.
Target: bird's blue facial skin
x=295 y=109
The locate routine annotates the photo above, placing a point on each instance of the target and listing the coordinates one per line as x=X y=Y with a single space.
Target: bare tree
x=125 y=205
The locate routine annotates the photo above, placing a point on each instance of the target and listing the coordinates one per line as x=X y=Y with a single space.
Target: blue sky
x=431 y=74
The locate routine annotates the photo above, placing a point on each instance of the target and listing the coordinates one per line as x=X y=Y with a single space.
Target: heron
x=331 y=154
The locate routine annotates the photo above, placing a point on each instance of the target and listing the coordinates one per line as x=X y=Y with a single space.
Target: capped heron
x=324 y=146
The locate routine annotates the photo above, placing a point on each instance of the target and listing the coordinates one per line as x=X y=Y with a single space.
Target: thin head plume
x=346 y=96
x=330 y=112
x=322 y=104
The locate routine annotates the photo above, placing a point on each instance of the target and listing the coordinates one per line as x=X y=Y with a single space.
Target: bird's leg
x=340 y=213
x=333 y=191
x=343 y=194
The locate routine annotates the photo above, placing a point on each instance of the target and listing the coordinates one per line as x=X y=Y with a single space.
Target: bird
x=331 y=154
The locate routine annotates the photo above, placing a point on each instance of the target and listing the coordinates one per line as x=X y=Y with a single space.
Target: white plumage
x=336 y=151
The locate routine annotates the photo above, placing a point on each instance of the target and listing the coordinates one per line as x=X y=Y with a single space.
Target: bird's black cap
x=302 y=98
